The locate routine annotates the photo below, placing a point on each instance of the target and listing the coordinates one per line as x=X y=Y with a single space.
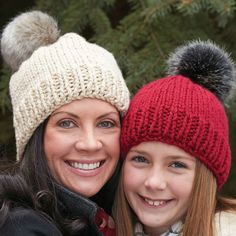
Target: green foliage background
x=140 y=34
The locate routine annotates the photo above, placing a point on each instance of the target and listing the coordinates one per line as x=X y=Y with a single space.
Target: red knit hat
x=178 y=111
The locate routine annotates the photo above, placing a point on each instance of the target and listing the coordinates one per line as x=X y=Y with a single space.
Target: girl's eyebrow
x=174 y=157
x=139 y=151
x=177 y=157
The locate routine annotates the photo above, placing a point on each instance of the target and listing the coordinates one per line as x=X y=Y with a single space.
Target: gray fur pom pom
x=24 y=34
x=206 y=64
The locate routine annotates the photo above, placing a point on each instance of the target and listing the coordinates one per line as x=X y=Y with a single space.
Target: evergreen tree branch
x=154 y=38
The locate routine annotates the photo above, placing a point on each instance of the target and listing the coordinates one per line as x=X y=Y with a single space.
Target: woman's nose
x=88 y=141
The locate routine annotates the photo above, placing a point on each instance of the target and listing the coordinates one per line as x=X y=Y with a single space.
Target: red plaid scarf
x=105 y=223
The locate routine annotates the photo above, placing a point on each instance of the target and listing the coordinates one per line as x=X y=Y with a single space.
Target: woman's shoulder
x=27 y=222
x=225 y=222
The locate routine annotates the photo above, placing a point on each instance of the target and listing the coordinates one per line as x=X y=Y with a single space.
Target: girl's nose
x=156 y=180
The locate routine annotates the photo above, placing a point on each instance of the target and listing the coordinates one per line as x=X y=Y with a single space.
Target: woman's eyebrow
x=66 y=112
x=76 y=116
x=109 y=113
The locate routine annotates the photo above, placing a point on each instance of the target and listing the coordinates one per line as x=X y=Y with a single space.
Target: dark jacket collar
x=75 y=205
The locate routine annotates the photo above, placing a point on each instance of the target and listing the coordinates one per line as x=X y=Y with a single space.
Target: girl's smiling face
x=158 y=180
x=81 y=143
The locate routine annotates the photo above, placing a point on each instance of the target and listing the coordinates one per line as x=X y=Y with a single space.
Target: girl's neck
x=174 y=229
x=155 y=231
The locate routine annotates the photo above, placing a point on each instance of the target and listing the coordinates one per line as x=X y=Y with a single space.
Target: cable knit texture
x=57 y=74
x=177 y=111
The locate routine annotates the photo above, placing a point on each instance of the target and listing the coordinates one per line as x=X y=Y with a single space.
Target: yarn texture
x=55 y=74
x=178 y=111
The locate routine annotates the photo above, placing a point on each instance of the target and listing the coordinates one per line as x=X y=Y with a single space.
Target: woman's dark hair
x=29 y=183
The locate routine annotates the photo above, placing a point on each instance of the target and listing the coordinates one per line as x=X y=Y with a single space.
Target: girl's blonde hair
x=122 y=213
x=204 y=203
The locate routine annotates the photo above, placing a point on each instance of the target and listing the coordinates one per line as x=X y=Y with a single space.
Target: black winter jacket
x=28 y=222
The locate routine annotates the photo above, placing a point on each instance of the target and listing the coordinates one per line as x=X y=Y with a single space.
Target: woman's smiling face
x=81 y=143
x=158 y=180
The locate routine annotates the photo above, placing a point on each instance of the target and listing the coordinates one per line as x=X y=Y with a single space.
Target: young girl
x=68 y=96
x=176 y=149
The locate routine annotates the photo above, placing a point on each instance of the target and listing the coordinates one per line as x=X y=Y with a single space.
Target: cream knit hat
x=53 y=72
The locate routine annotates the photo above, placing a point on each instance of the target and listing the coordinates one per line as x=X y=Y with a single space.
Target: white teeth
x=154 y=203
x=84 y=166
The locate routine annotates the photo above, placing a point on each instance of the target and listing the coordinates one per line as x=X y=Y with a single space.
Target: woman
x=177 y=154
x=68 y=96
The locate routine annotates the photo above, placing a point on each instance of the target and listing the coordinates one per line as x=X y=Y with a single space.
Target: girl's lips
x=155 y=203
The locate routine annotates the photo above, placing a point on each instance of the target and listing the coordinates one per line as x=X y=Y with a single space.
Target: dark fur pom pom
x=205 y=64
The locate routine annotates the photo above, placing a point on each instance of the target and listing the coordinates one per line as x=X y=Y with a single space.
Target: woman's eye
x=178 y=165
x=139 y=159
x=66 y=124
x=106 y=124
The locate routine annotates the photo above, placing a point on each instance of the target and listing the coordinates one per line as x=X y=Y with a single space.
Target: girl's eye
x=106 y=124
x=139 y=159
x=66 y=124
x=177 y=164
